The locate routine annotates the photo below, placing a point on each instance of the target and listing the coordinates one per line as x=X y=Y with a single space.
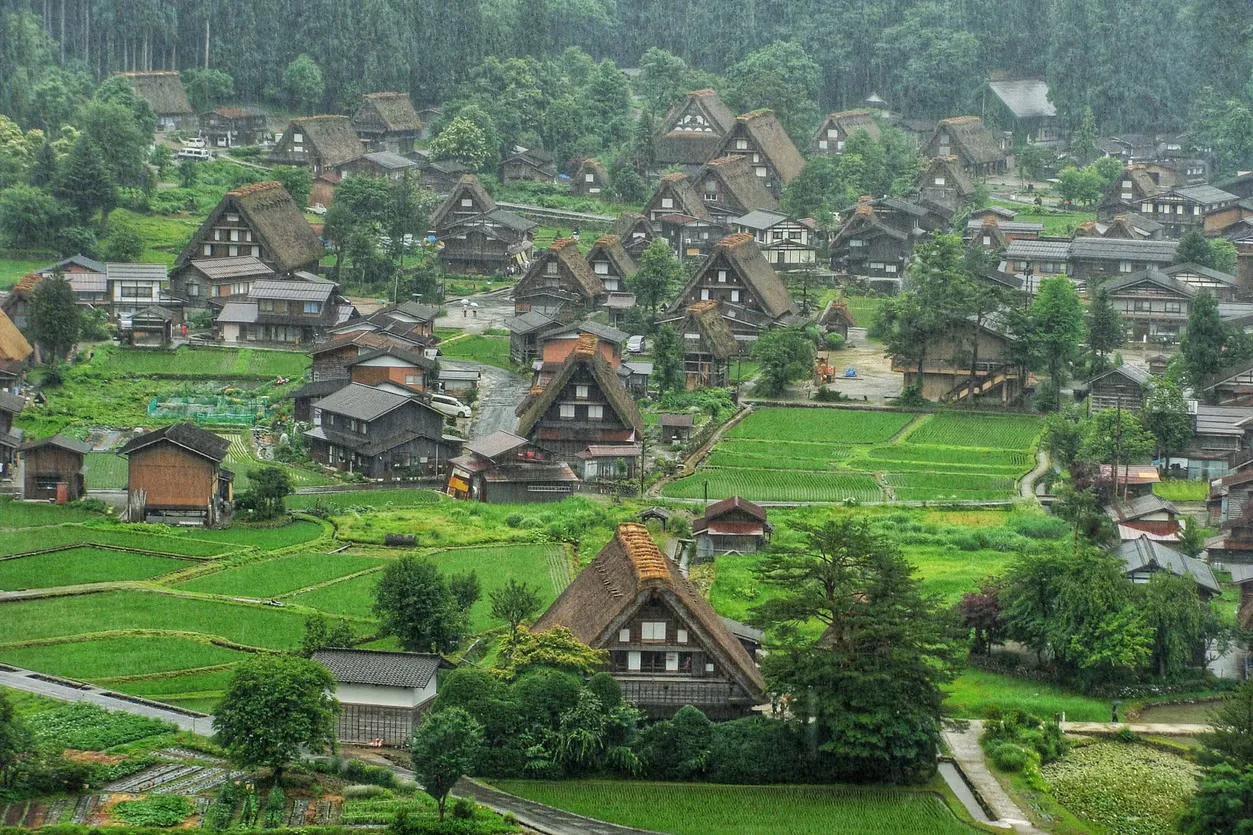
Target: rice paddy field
x=209 y=363
x=81 y=565
x=705 y=809
x=780 y=454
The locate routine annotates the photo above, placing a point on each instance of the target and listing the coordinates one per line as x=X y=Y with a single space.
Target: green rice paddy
x=82 y=565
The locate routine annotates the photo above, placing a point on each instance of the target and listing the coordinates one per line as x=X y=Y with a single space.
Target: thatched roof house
x=591 y=178
x=667 y=646
x=692 y=129
x=281 y=237
x=15 y=351
x=838 y=127
x=675 y=196
x=760 y=136
x=729 y=187
x=320 y=143
x=977 y=149
x=559 y=283
x=165 y=95
x=388 y=122
x=749 y=293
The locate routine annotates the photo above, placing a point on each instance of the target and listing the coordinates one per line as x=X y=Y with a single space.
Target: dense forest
x=1136 y=64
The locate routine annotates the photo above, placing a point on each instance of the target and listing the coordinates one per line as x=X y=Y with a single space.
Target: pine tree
x=84 y=182
x=1105 y=331
x=1203 y=341
x=1194 y=248
x=55 y=317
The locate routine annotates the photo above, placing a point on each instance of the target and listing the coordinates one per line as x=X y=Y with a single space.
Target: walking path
x=969 y=755
x=1026 y=487
x=1142 y=728
x=542 y=818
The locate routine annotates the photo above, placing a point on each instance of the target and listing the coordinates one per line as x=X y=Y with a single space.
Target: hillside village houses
x=692 y=131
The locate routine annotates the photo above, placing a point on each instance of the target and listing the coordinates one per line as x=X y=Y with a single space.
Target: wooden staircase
x=982 y=385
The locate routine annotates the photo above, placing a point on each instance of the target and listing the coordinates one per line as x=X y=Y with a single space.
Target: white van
x=449 y=406
x=195 y=153
x=194 y=142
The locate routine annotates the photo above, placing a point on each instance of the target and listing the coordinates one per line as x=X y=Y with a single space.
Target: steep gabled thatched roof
x=332 y=137
x=14 y=349
x=609 y=248
x=955 y=177
x=741 y=254
x=625 y=575
x=592 y=166
x=469 y=186
x=686 y=200
x=278 y=223
x=715 y=333
x=627 y=223
x=765 y=131
x=692 y=129
x=585 y=354
x=744 y=190
x=386 y=112
x=975 y=141
x=162 y=90
x=565 y=252
x=848 y=121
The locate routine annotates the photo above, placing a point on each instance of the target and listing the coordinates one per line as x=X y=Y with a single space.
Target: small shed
x=1125 y=387
x=54 y=469
x=675 y=427
x=1133 y=479
x=836 y=318
x=1144 y=557
x=731 y=526
x=381 y=694
x=152 y=327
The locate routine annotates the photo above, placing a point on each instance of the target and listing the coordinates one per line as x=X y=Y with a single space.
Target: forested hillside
x=1137 y=64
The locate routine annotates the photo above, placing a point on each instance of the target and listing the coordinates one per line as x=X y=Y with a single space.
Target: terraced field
x=781 y=454
x=272 y=578
x=82 y=565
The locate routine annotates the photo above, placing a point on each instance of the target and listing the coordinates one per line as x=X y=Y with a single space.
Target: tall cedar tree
x=668 y=360
x=1194 y=249
x=55 y=317
x=1204 y=341
x=274 y=706
x=84 y=182
x=1223 y=805
x=1105 y=331
x=416 y=604
x=658 y=273
x=858 y=650
x=1057 y=319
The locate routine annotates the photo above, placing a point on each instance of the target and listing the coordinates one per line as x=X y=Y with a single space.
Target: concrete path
x=23 y=680
x=541 y=818
x=1026 y=488
x=500 y=392
x=1142 y=728
x=493 y=309
x=969 y=755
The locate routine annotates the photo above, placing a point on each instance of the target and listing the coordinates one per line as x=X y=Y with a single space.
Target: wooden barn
x=729 y=188
x=692 y=130
x=667 y=646
x=505 y=468
x=53 y=466
x=479 y=238
x=387 y=122
x=634 y=231
x=381 y=694
x=175 y=475
x=731 y=526
x=591 y=179
x=709 y=345
x=231 y=127
x=528 y=165
x=1125 y=386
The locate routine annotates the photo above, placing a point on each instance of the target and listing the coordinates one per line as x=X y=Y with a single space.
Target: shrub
x=463 y=808
x=834 y=341
x=362 y=772
x=756 y=751
x=365 y=792
x=1009 y=756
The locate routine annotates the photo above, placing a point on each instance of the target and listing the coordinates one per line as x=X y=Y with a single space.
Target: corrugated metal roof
x=1145 y=553
x=1206 y=194
x=223 y=268
x=1025 y=98
x=386 y=159
x=760 y=219
x=1221 y=420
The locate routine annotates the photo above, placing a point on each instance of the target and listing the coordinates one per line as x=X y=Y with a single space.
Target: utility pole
x=1117 y=444
x=643 y=458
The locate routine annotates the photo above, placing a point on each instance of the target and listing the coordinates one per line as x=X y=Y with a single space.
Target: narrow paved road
x=1145 y=728
x=500 y=392
x=545 y=819
x=969 y=755
x=1027 y=486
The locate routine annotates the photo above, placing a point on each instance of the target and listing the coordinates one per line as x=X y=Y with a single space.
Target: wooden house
x=731 y=526
x=528 y=165
x=504 y=468
x=692 y=130
x=440 y=176
x=946 y=184
x=667 y=646
x=10 y=436
x=760 y=137
x=1127 y=227
x=1123 y=387
x=591 y=179
x=675 y=196
x=53 y=469
x=634 y=231
x=1204 y=280
x=134 y=287
x=1230 y=386
x=1146 y=513
x=978 y=150
x=381 y=695
x=291 y=313
x=557 y=344
x=1242 y=576
x=993 y=235
x=1153 y=305
x=215 y=281
x=382 y=164
x=709 y=345
x=1021 y=107
x=1094 y=259
x=17 y=303
x=691 y=237
x=387 y=122
x=410 y=322
x=15 y=353
x=1233 y=549
x=1032 y=261
x=786 y=243
x=838 y=127
x=559 y=283
x=1230 y=497
x=409 y=370
x=1186 y=208
x=382 y=434
x=332 y=358
x=319 y=143
x=946 y=372
x=586 y=404
x=234 y=127
x=1143 y=557
x=675 y=428
x=152 y=327
x=1218 y=434
x=174 y=474
x=258 y=221
x=729 y=188
x=611 y=263
x=165 y=95
x=1139 y=182
x=836 y=318
x=749 y=293
x=526 y=333
x=478 y=237
x=875 y=246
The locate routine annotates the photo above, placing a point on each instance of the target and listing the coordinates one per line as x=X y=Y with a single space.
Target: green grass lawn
x=265 y=539
x=1056 y=221
x=704 y=809
x=491 y=350
x=974 y=692
x=13 y=270
x=1180 y=490
x=845 y=426
x=349 y=598
x=55 y=617
x=158 y=685
x=82 y=565
x=865 y=309
x=272 y=578
x=163 y=236
x=123 y=656
x=15 y=514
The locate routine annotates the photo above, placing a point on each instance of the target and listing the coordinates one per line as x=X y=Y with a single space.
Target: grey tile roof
x=1008 y=225
x=1213 y=275
x=1206 y=194
x=238 y=313
x=760 y=219
x=1152 y=276
x=223 y=268
x=1025 y=98
x=386 y=159
x=1145 y=553
x=11 y=402
x=300 y=291
x=1139 y=507
x=362 y=402
x=71 y=444
x=187 y=435
x=1038 y=250
x=529 y=322
x=495 y=444
x=1221 y=420
x=1117 y=248
x=135 y=272
x=1241 y=574
x=74 y=260
x=1131 y=372
x=386 y=669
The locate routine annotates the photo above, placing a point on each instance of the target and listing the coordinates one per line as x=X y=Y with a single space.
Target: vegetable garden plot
x=82 y=565
x=275 y=577
x=978 y=431
x=831 y=426
x=776 y=486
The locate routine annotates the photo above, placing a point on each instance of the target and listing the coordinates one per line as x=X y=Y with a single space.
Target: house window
x=667 y=202
x=193 y=289
x=256 y=252
x=580 y=392
x=682 y=636
x=939 y=181
x=313 y=308
x=776 y=235
x=741 y=144
x=265 y=305
x=1126 y=195
x=413 y=379
x=1126 y=184
x=756 y=157
x=235 y=235
x=1196 y=210
x=208 y=249
x=876 y=265
x=672 y=662
x=987 y=240
x=704 y=295
x=595 y=412
x=589 y=178
x=722 y=276
x=624 y=635
x=231 y=217
x=234 y=251
x=298 y=138
x=857 y=242
x=711 y=197
x=567 y=411
x=1124 y=266
x=839 y=146
x=633 y=661
x=653 y=630
x=822 y=144
x=889 y=268
x=709 y=668
x=467 y=202
x=833 y=133
x=761 y=171
x=1179 y=209
x=601 y=267
x=550 y=268
x=1146 y=208
x=1174 y=307
x=1141 y=306
x=735 y=295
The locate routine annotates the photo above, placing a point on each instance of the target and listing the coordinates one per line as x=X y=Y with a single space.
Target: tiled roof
x=385 y=669
x=186 y=435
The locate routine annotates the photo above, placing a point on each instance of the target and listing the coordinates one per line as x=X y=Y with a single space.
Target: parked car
x=194 y=142
x=195 y=153
x=635 y=345
x=449 y=406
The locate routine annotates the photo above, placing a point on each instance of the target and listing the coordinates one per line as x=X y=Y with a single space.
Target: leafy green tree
x=931 y=57
x=1230 y=739
x=1057 y=317
x=414 y=603
x=1191 y=538
x=779 y=77
x=1204 y=340
x=1112 y=432
x=555 y=648
x=514 y=602
x=15 y=739
x=303 y=83
x=465 y=588
x=668 y=361
x=1223 y=255
x=1033 y=161
x=275 y=706
x=123 y=245
x=869 y=690
x=84 y=182
x=1194 y=248
x=268 y=488
x=1105 y=330
x=1223 y=805
x=1080 y=185
x=446 y=747
x=321 y=634
x=1165 y=415
x=1179 y=619
x=1063 y=433
x=296 y=180
x=43 y=170
x=120 y=143
x=658 y=274
x=55 y=318
x=77 y=240
x=461 y=140
x=785 y=355
x=663 y=79
x=188 y=173
x=116 y=90
x=30 y=218
x=207 y=88
x=1083 y=147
